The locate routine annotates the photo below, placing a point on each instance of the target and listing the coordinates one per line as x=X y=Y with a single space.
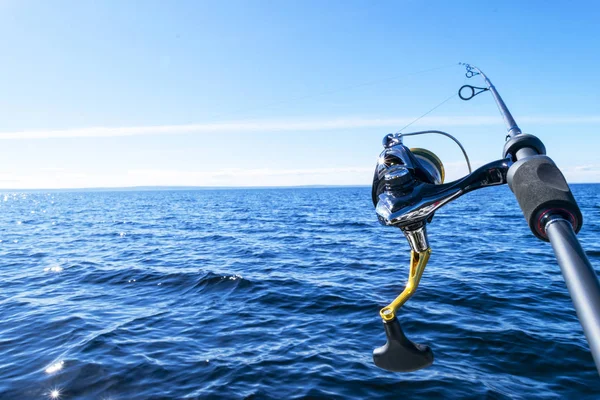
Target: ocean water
x=275 y=293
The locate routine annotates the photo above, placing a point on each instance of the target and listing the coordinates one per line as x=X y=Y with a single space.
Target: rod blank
x=581 y=280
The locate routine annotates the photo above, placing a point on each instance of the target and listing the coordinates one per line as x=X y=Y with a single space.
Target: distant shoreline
x=181 y=188
x=192 y=188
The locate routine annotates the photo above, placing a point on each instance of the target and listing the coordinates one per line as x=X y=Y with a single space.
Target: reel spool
x=430 y=162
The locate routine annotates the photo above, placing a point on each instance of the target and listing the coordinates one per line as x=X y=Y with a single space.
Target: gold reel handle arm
x=418 y=261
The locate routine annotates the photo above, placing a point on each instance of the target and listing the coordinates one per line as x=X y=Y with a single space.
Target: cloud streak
x=284 y=126
x=45 y=179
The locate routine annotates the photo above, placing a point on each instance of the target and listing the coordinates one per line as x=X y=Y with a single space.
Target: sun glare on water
x=57 y=366
x=54 y=268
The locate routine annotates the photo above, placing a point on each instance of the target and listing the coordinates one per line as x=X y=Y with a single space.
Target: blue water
x=275 y=294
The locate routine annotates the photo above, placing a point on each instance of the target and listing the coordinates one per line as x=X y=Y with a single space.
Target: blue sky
x=250 y=93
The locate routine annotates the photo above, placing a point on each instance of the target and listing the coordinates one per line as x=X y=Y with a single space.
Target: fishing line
x=472 y=73
x=332 y=91
x=428 y=112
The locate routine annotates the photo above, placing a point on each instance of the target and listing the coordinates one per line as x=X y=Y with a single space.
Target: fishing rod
x=408 y=188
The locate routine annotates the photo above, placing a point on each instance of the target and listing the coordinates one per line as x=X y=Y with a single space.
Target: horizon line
x=192 y=187
x=177 y=187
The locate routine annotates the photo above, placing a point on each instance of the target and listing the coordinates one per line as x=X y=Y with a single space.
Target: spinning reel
x=408 y=188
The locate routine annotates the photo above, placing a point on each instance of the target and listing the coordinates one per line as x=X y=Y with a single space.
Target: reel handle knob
x=400 y=354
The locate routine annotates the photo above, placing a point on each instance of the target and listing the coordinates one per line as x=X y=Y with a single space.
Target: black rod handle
x=542 y=190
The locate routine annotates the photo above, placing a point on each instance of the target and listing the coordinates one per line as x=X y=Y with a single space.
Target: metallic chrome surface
x=391 y=139
x=423 y=199
x=554 y=219
x=398 y=173
x=395 y=154
x=417 y=238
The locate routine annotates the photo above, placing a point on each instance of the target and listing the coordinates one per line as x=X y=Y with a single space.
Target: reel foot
x=399 y=354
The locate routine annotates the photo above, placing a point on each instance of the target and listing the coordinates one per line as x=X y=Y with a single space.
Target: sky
x=282 y=93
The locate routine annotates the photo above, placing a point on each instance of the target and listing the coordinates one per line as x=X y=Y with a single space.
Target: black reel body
x=399 y=169
x=408 y=184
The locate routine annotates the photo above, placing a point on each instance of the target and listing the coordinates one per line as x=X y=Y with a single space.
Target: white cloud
x=582 y=173
x=285 y=125
x=171 y=177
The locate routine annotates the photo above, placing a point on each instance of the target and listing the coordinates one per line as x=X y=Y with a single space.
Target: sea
x=275 y=294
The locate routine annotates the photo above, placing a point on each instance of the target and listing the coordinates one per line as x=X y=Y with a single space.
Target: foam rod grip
x=541 y=189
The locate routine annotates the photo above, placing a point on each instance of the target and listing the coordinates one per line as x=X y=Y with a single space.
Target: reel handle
x=400 y=354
